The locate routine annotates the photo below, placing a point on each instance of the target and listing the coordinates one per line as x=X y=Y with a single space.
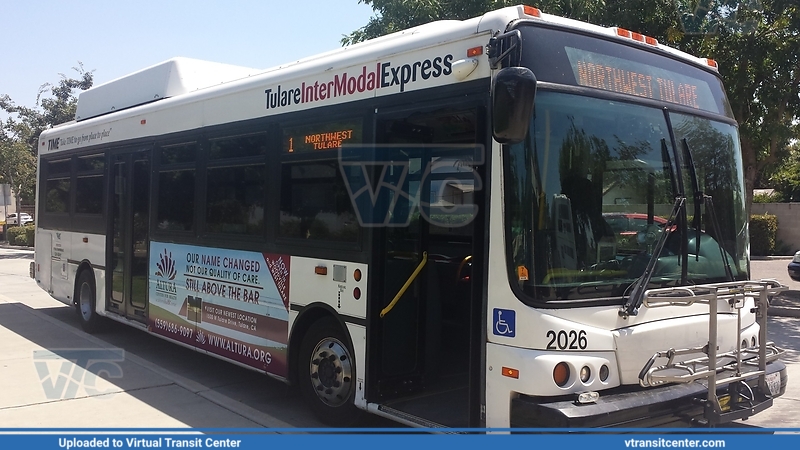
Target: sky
x=45 y=38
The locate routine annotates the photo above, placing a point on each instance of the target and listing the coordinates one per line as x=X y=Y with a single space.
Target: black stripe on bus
x=94 y=266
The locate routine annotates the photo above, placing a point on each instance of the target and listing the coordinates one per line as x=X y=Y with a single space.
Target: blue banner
x=737 y=438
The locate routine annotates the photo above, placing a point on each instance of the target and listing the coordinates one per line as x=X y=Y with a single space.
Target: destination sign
x=321 y=136
x=634 y=78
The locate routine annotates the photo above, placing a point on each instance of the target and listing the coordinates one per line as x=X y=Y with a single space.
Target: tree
x=397 y=15
x=786 y=178
x=19 y=134
x=755 y=42
x=18 y=169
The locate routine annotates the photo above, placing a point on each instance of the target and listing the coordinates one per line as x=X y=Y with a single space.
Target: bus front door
x=425 y=251
x=129 y=238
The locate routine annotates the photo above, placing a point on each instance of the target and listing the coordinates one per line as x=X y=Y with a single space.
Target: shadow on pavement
x=255 y=390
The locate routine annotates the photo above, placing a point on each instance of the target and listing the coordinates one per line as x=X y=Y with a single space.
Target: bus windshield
x=592 y=189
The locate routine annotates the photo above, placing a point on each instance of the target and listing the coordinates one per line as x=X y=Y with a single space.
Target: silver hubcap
x=331 y=372
x=85 y=301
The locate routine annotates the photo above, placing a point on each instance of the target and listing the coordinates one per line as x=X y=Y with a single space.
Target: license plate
x=724 y=403
x=773 y=382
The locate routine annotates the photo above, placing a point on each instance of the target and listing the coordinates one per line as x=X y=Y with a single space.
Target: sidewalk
x=787 y=304
x=56 y=376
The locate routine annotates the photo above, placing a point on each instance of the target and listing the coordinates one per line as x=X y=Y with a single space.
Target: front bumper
x=635 y=407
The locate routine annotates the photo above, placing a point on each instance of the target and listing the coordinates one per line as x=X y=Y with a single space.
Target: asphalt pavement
x=787 y=303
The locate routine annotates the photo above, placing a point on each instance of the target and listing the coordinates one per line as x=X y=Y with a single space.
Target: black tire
x=326 y=374
x=85 y=302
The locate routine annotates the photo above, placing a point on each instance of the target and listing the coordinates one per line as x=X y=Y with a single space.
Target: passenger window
x=89 y=184
x=315 y=203
x=176 y=181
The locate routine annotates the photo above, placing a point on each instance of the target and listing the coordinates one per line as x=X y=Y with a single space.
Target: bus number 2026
x=562 y=340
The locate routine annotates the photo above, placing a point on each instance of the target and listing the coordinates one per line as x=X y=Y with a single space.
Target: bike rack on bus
x=735 y=366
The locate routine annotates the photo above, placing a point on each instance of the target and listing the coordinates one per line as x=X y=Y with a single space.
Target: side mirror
x=513 y=93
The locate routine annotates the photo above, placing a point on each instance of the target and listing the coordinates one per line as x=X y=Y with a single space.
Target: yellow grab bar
x=403 y=289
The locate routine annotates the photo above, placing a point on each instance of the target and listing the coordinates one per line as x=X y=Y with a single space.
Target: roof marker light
x=531 y=11
x=639 y=37
x=712 y=63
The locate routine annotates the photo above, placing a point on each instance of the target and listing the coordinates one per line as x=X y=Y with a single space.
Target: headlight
x=796 y=257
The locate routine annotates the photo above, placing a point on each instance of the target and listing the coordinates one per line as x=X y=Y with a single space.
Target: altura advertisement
x=228 y=302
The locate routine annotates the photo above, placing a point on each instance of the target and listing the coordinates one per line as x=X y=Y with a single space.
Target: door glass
x=141 y=218
x=429 y=160
x=118 y=237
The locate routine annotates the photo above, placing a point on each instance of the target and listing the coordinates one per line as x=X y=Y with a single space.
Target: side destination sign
x=367 y=79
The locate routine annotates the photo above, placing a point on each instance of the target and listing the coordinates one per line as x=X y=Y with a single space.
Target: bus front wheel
x=327 y=373
x=85 y=302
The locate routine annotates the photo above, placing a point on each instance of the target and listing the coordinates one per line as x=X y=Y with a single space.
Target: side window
x=89 y=184
x=314 y=203
x=176 y=179
x=57 y=186
x=236 y=186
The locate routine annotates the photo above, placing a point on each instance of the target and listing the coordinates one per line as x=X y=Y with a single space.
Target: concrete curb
x=783 y=311
x=14 y=247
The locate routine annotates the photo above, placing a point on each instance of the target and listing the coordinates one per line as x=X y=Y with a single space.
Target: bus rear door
x=128 y=240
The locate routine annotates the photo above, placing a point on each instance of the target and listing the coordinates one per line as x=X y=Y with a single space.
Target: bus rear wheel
x=327 y=373
x=85 y=302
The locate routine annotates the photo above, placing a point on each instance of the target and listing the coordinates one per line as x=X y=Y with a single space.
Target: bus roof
x=180 y=82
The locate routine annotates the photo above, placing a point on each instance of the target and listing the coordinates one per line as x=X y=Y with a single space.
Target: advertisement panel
x=227 y=302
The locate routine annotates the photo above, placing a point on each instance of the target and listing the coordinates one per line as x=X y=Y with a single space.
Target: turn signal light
x=561 y=374
x=474 y=51
x=511 y=373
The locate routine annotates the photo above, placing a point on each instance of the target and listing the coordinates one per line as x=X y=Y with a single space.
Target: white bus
x=517 y=220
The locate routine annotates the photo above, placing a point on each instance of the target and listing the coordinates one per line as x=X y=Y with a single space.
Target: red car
x=630 y=224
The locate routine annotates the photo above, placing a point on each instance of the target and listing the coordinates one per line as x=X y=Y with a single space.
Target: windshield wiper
x=631 y=307
x=722 y=253
x=699 y=199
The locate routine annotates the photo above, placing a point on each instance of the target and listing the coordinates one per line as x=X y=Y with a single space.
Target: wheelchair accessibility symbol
x=504 y=322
